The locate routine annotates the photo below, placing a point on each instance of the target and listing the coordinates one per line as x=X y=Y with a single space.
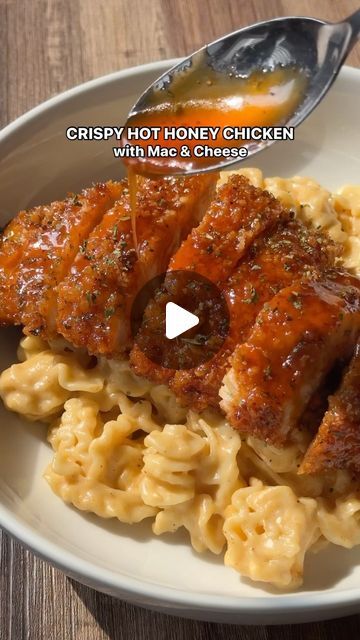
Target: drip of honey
x=133 y=184
x=210 y=100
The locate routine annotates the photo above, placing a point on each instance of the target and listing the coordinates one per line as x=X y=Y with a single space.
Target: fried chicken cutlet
x=294 y=343
x=95 y=299
x=337 y=442
x=71 y=268
x=238 y=215
x=274 y=260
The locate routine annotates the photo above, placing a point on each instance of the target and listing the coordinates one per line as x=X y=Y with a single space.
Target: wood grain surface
x=47 y=46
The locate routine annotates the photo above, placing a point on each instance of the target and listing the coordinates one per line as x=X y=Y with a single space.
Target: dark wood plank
x=46 y=47
x=49 y=46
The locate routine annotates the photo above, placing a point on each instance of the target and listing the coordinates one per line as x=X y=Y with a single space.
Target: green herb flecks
x=74 y=200
x=253 y=297
x=109 y=312
x=91 y=297
x=295 y=299
x=268 y=372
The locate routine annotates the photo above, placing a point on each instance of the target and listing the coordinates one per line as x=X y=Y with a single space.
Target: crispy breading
x=237 y=216
x=95 y=299
x=295 y=341
x=274 y=260
x=337 y=442
x=37 y=250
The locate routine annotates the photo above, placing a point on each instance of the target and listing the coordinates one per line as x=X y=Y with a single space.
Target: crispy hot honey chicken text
x=71 y=269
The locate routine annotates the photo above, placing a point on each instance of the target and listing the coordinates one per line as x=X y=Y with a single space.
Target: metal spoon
x=318 y=48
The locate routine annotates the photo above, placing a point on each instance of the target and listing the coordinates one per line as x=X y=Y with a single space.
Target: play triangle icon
x=178 y=320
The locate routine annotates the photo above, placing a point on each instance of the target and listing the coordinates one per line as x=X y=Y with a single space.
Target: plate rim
x=129 y=588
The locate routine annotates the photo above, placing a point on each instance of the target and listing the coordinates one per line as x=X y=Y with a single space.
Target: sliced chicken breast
x=94 y=301
x=337 y=443
x=282 y=255
x=237 y=216
x=37 y=249
x=296 y=339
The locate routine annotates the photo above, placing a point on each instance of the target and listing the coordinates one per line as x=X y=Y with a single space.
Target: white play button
x=178 y=320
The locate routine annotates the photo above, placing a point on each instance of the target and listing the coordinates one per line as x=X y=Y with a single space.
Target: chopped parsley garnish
x=74 y=199
x=268 y=372
x=91 y=296
x=109 y=312
x=253 y=296
x=296 y=300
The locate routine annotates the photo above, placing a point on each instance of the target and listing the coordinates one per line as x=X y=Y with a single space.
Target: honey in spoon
x=218 y=101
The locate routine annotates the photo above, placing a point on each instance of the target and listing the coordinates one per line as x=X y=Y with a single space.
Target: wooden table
x=47 y=47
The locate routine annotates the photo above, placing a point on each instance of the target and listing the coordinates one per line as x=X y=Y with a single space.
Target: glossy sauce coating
x=94 y=301
x=37 y=250
x=238 y=214
x=273 y=261
x=295 y=341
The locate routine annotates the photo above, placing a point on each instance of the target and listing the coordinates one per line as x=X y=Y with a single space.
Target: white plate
x=37 y=165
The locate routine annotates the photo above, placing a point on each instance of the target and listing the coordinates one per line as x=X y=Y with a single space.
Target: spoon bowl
x=317 y=48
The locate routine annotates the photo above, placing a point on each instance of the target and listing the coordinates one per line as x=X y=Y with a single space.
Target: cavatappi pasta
x=123 y=447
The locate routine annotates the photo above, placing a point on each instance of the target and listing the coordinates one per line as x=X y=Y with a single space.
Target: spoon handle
x=354 y=22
